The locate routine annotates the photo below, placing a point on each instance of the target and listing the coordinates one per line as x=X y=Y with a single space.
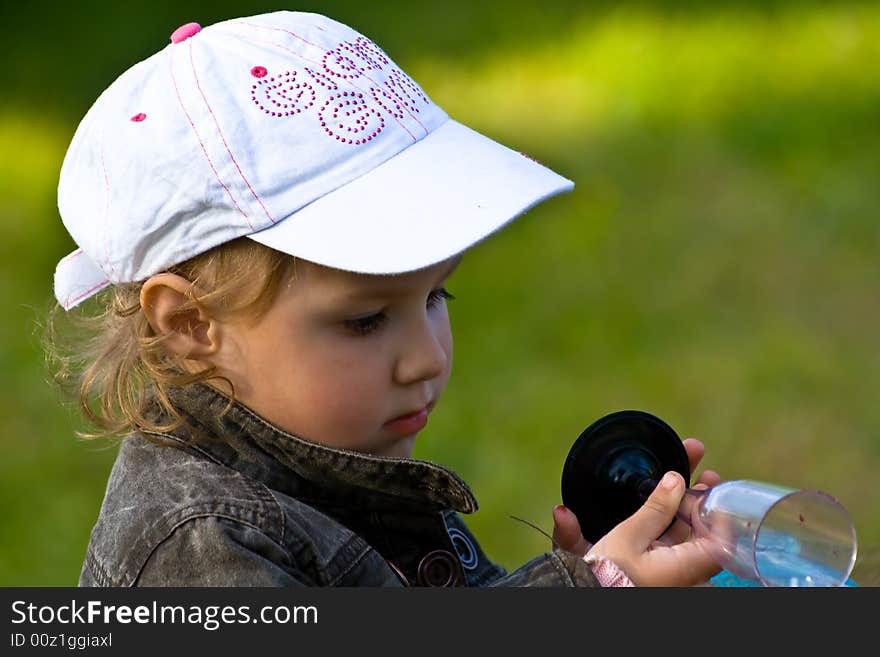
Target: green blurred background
x=717 y=263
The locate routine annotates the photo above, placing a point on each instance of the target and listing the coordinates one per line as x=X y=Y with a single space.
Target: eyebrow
x=371 y=293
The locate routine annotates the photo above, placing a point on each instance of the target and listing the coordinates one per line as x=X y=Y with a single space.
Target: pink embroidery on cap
x=387 y=102
x=394 y=105
x=352 y=60
x=137 y=118
x=340 y=65
x=370 y=52
x=353 y=116
x=283 y=95
x=322 y=79
x=406 y=90
x=184 y=32
x=349 y=119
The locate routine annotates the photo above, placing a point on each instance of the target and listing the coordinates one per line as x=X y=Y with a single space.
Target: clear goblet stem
x=771 y=534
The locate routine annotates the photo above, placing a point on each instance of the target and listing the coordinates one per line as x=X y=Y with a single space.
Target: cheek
x=310 y=388
x=345 y=386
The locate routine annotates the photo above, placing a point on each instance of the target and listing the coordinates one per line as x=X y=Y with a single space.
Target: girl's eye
x=371 y=323
x=365 y=325
x=437 y=295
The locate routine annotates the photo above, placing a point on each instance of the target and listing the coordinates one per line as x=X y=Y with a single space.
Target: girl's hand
x=567 y=533
x=647 y=553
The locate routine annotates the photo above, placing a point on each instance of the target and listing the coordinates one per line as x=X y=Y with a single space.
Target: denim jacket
x=232 y=500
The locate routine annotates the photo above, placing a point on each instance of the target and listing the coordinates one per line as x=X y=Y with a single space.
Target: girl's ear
x=189 y=334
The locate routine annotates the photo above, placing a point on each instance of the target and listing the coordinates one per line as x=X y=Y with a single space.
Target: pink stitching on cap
x=279 y=29
x=281 y=47
x=185 y=32
x=406 y=106
x=222 y=136
x=140 y=116
x=70 y=302
x=70 y=256
x=399 y=82
x=202 y=144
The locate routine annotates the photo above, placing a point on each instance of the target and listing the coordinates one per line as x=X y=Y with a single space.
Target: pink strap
x=607 y=572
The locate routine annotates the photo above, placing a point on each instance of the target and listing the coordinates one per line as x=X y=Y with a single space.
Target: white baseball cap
x=291 y=129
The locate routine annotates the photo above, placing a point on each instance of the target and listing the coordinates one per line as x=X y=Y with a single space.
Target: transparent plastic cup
x=760 y=532
x=772 y=534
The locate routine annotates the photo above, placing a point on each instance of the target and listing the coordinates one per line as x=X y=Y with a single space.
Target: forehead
x=336 y=285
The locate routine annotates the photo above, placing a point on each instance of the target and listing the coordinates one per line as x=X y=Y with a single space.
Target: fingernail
x=670 y=480
x=559 y=508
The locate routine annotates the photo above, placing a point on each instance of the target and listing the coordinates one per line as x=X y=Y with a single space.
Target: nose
x=424 y=354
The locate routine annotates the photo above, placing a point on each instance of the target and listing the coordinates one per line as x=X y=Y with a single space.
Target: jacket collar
x=232 y=434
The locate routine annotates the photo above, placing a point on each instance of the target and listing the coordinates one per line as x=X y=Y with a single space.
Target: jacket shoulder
x=154 y=489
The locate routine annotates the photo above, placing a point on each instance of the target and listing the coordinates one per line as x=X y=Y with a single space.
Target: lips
x=411 y=422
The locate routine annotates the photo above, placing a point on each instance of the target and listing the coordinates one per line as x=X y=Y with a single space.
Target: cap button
x=185 y=32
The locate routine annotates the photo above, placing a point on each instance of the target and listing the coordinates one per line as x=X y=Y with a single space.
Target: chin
x=401 y=449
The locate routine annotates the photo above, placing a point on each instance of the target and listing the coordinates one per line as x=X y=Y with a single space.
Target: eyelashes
x=371 y=323
x=365 y=325
x=435 y=297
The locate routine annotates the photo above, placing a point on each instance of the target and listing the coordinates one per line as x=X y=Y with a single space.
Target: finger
x=651 y=519
x=679 y=532
x=695 y=451
x=687 y=564
x=567 y=531
x=708 y=479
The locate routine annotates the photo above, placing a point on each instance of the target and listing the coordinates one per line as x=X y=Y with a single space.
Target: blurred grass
x=716 y=264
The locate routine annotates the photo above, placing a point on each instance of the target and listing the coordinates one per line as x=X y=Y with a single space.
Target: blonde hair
x=106 y=356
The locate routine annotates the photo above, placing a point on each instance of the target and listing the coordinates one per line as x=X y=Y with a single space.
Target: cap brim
x=433 y=200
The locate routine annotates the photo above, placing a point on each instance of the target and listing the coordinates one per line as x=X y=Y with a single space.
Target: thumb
x=567 y=531
x=652 y=519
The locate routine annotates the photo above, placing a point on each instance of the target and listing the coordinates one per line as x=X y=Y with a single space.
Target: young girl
x=266 y=212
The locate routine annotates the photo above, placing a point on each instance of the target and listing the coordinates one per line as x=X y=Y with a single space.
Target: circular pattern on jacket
x=467 y=553
x=439 y=568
